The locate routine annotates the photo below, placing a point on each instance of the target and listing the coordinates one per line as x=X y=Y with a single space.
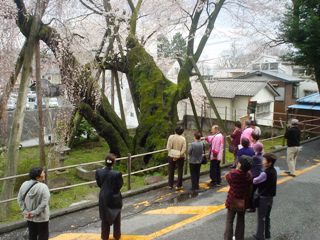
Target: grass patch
x=89 y=152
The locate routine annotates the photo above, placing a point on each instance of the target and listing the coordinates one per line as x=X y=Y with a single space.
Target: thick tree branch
x=193 y=28
x=210 y=26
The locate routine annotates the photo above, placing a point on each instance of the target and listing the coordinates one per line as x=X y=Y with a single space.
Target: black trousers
x=264 y=210
x=172 y=167
x=251 y=202
x=105 y=229
x=215 y=172
x=38 y=230
x=195 y=175
x=239 y=233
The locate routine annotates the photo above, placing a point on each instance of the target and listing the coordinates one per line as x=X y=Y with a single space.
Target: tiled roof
x=229 y=88
x=276 y=75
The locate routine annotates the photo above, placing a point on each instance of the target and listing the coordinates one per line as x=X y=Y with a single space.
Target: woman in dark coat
x=110 y=198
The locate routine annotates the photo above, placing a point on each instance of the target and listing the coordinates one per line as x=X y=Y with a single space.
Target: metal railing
x=129 y=159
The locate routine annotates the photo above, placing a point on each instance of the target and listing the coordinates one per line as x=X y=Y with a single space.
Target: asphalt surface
x=165 y=214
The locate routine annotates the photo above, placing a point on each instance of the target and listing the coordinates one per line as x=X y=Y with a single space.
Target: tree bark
x=17 y=125
x=12 y=81
x=40 y=110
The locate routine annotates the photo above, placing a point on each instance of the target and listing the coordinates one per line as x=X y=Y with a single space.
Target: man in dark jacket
x=267 y=188
x=110 y=198
x=293 y=141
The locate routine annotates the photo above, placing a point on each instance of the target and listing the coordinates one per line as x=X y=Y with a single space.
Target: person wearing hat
x=110 y=198
x=292 y=135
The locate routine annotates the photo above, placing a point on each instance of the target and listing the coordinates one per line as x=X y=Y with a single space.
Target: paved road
x=164 y=214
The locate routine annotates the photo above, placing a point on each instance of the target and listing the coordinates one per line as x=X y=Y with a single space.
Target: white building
x=232 y=98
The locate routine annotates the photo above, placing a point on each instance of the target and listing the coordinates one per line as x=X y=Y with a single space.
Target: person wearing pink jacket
x=216 y=141
x=247 y=133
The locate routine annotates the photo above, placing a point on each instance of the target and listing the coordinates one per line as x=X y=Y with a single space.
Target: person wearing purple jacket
x=255 y=171
x=246 y=149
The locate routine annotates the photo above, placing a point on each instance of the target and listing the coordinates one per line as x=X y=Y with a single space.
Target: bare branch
x=90 y=8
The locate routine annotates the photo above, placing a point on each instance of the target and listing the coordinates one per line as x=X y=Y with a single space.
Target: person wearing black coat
x=110 y=198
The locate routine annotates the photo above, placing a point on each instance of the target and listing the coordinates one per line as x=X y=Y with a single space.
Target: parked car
x=36 y=104
x=53 y=102
x=11 y=105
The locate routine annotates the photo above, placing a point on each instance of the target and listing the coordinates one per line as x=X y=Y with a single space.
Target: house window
x=265 y=66
x=308 y=92
x=295 y=88
x=263 y=108
x=274 y=66
x=256 y=66
x=280 y=90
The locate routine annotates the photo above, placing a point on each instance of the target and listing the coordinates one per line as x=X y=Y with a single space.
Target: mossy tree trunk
x=155 y=97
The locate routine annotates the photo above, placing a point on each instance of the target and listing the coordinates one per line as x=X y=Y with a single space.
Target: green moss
x=156 y=97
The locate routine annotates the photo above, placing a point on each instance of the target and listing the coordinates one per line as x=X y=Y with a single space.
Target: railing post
x=129 y=170
x=224 y=150
x=186 y=164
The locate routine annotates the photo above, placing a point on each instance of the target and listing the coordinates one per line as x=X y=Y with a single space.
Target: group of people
x=252 y=181
x=34 y=198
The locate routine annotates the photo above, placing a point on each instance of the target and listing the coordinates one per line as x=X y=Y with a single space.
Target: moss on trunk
x=105 y=130
x=156 y=98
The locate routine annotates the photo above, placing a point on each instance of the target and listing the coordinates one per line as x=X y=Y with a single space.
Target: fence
x=129 y=159
x=129 y=173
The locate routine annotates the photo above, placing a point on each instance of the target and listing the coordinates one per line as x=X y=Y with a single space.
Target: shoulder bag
x=204 y=159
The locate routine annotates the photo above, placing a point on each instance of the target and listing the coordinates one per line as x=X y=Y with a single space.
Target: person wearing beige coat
x=177 y=146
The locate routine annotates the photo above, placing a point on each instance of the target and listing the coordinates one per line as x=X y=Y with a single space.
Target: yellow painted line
x=94 y=236
x=298 y=172
x=144 y=203
x=204 y=186
x=316 y=160
x=201 y=211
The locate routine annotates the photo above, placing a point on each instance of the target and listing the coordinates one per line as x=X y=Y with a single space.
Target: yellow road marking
x=200 y=211
x=224 y=189
x=204 y=185
x=94 y=236
x=144 y=203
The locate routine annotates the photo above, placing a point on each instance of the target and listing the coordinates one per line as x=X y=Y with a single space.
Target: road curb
x=6 y=228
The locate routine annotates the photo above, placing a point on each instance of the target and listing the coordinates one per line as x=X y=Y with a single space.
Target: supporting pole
x=39 y=103
x=194 y=111
x=103 y=81
x=112 y=90
x=129 y=170
x=116 y=78
x=224 y=129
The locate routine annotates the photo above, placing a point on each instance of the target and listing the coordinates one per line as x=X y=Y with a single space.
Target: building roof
x=229 y=88
x=305 y=107
x=278 y=76
x=310 y=102
x=310 y=99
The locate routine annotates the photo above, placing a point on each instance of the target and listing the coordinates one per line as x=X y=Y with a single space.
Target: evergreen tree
x=178 y=45
x=301 y=28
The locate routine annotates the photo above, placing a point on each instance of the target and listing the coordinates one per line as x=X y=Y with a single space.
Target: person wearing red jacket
x=240 y=182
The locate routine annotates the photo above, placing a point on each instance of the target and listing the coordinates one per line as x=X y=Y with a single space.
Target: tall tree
x=154 y=96
x=17 y=125
x=301 y=28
